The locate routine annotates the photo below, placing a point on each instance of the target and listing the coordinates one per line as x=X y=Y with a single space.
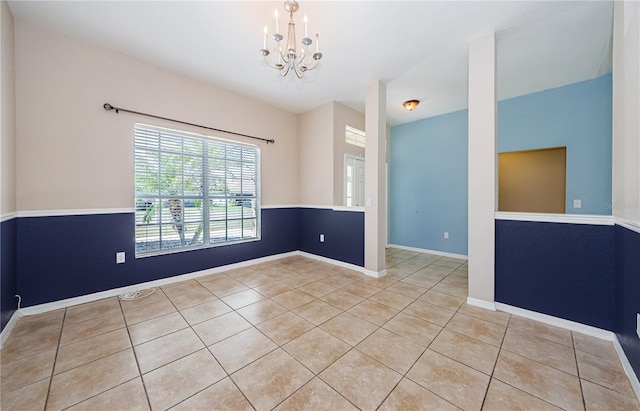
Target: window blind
x=193 y=191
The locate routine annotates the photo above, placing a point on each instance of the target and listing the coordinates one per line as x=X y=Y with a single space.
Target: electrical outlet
x=577 y=203
x=120 y=257
x=638 y=324
x=446 y=235
x=322 y=238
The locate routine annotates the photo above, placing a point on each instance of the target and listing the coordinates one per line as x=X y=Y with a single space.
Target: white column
x=626 y=111
x=482 y=171
x=374 y=179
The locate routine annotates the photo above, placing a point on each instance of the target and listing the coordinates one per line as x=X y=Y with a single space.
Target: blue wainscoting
x=343 y=232
x=563 y=270
x=68 y=256
x=628 y=292
x=8 y=302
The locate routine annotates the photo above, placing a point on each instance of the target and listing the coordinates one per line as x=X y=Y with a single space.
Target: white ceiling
x=419 y=48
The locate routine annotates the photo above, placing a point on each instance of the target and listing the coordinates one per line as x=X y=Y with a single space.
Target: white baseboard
x=487 y=305
x=335 y=262
x=424 y=250
x=581 y=328
x=628 y=369
x=369 y=273
x=69 y=302
x=7 y=328
x=374 y=274
x=558 y=322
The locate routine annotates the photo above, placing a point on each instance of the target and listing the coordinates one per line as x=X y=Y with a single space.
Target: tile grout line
x=55 y=359
x=227 y=375
x=135 y=356
x=495 y=364
x=529 y=359
x=428 y=346
x=403 y=376
x=575 y=356
x=396 y=280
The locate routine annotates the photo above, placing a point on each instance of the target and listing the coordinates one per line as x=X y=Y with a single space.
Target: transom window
x=193 y=191
x=354 y=136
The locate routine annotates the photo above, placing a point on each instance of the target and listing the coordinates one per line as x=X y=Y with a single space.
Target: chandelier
x=290 y=58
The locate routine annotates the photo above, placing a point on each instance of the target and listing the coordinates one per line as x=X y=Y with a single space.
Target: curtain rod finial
x=107 y=106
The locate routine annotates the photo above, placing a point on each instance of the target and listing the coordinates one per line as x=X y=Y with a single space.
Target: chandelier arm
x=270 y=62
x=285 y=70
x=298 y=70
x=313 y=65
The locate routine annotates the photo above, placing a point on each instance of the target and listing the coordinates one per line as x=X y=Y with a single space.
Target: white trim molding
x=581 y=328
x=8 y=216
x=487 y=305
x=626 y=365
x=9 y=327
x=91 y=211
x=629 y=224
x=268 y=207
x=69 y=302
x=556 y=218
x=558 y=322
x=351 y=209
x=424 y=250
x=87 y=211
x=336 y=262
x=321 y=207
x=374 y=274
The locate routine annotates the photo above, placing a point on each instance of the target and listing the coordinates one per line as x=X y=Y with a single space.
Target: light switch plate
x=446 y=235
x=120 y=257
x=322 y=238
x=577 y=203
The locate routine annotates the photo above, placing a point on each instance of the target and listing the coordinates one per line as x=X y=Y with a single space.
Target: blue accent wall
x=577 y=116
x=68 y=256
x=563 y=270
x=343 y=234
x=428 y=183
x=8 y=301
x=628 y=292
x=428 y=163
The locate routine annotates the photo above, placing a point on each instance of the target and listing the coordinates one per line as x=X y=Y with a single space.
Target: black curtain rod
x=109 y=107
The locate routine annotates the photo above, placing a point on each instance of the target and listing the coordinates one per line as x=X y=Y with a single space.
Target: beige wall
x=626 y=110
x=7 y=118
x=316 y=156
x=343 y=116
x=72 y=154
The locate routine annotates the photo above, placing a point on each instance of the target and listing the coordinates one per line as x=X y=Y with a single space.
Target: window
x=193 y=191
x=353 y=181
x=354 y=136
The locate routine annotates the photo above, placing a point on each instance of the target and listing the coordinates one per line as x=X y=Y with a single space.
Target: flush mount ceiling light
x=290 y=58
x=411 y=105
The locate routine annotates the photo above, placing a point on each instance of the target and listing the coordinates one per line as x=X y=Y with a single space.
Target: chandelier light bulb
x=264 y=40
x=306 y=26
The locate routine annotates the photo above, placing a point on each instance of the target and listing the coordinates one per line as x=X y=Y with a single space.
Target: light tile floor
x=299 y=334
